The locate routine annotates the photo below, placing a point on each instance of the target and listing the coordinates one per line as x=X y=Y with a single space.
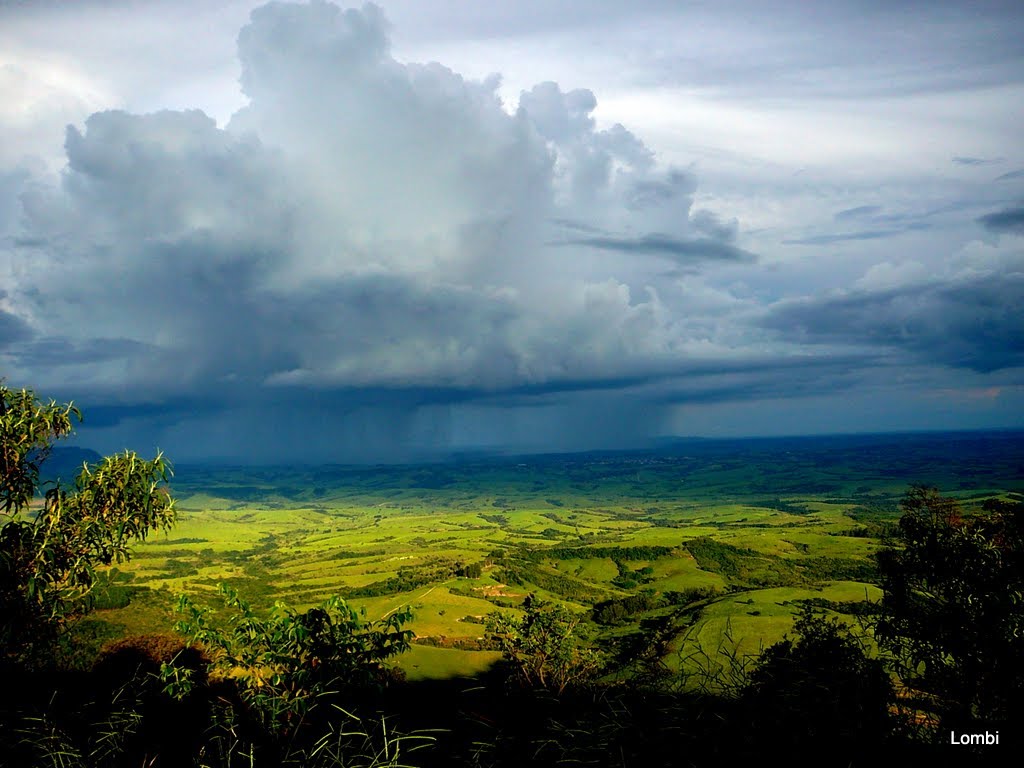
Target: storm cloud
x=12 y=329
x=974 y=322
x=685 y=251
x=373 y=255
x=361 y=225
x=1010 y=220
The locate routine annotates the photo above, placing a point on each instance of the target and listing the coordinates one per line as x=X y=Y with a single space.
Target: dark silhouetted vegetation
x=953 y=610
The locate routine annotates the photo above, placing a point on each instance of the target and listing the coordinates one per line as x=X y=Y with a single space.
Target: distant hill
x=65 y=463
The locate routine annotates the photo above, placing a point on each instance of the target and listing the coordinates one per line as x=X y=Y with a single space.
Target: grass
x=301 y=534
x=423 y=662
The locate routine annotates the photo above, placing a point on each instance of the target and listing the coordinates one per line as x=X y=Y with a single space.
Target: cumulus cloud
x=374 y=256
x=362 y=225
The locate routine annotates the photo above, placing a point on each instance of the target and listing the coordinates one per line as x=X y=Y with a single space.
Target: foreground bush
x=953 y=611
x=819 y=691
x=50 y=557
x=287 y=681
x=546 y=648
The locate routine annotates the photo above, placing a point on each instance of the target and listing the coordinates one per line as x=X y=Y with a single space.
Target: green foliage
x=283 y=665
x=471 y=571
x=719 y=557
x=953 y=610
x=43 y=740
x=691 y=595
x=407 y=580
x=748 y=566
x=820 y=688
x=135 y=725
x=784 y=506
x=640 y=658
x=610 y=612
x=50 y=559
x=28 y=428
x=524 y=572
x=616 y=553
x=836 y=569
x=111 y=591
x=547 y=647
x=848 y=607
x=360 y=743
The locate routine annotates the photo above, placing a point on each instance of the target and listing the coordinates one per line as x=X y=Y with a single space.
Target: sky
x=310 y=232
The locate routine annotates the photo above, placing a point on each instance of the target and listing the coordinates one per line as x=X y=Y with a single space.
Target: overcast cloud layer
x=310 y=245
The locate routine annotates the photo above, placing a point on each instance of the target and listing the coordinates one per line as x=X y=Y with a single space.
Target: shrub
x=546 y=648
x=953 y=609
x=285 y=665
x=819 y=689
x=50 y=560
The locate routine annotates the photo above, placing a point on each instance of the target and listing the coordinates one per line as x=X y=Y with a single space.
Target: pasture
x=726 y=538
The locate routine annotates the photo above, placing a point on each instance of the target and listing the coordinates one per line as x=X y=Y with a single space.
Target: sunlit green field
x=759 y=526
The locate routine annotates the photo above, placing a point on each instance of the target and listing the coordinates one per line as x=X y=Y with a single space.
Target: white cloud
x=362 y=222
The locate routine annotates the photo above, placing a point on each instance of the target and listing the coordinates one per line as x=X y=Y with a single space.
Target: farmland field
x=722 y=539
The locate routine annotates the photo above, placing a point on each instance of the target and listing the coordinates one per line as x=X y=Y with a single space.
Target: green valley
x=714 y=538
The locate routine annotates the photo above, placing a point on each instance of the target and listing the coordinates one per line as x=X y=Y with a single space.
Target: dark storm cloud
x=760 y=377
x=1010 y=220
x=974 y=322
x=708 y=380
x=686 y=251
x=57 y=352
x=162 y=414
x=371 y=330
x=778 y=385
x=12 y=329
x=361 y=227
